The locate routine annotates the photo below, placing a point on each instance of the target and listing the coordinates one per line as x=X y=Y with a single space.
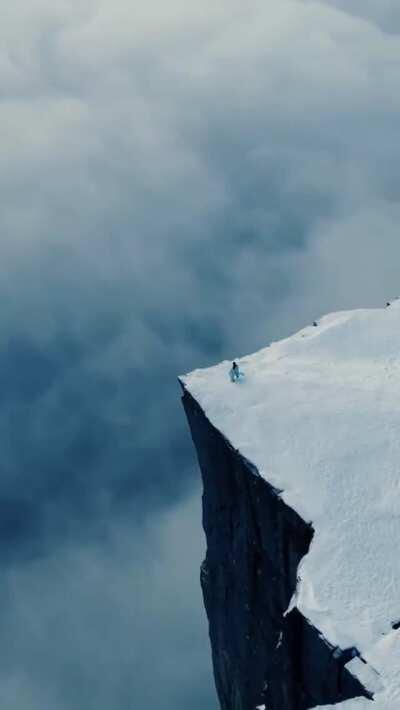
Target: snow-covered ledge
x=318 y=414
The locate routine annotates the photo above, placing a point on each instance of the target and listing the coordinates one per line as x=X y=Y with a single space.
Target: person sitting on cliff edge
x=235 y=373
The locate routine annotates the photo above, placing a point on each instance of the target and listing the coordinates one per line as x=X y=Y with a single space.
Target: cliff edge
x=300 y=463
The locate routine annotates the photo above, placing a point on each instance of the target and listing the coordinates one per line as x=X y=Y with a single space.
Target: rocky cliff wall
x=254 y=546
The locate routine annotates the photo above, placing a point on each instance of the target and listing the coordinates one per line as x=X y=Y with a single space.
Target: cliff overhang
x=301 y=572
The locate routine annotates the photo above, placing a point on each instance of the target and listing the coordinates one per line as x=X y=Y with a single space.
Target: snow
x=318 y=414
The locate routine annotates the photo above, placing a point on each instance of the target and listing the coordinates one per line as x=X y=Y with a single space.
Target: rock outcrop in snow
x=301 y=469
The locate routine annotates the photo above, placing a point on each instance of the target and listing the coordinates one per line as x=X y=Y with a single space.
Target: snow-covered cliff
x=316 y=424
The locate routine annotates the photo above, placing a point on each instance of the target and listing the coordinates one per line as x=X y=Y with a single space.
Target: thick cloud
x=180 y=184
x=110 y=626
x=385 y=14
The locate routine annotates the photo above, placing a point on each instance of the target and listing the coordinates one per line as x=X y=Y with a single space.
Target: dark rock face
x=254 y=545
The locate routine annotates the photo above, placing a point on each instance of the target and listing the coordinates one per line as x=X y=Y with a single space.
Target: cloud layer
x=180 y=184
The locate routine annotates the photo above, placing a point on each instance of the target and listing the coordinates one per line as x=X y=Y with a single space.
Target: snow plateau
x=318 y=414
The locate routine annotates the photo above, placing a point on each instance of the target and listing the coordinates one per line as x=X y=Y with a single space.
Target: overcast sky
x=180 y=183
